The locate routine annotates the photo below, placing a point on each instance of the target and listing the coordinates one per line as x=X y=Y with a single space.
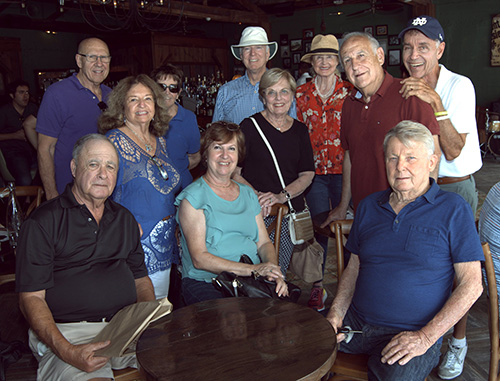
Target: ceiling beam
x=199 y=11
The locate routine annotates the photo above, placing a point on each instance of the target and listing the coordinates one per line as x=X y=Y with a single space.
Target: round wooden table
x=238 y=339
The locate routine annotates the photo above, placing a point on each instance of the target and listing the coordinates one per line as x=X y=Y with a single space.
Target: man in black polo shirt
x=79 y=261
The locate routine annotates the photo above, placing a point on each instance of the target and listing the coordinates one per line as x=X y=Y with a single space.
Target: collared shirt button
x=397 y=221
x=89 y=219
x=95 y=231
x=366 y=107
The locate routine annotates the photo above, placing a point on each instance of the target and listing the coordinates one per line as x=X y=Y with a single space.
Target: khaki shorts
x=51 y=367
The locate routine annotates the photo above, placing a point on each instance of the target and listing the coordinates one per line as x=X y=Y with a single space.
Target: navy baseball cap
x=427 y=25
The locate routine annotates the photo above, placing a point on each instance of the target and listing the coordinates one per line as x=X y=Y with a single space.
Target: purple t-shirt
x=68 y=112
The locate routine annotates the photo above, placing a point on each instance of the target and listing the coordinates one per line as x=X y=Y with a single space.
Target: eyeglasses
x=274 y=93
x=94 y=58
x=173 y=88
x=162 y=170
x=103 y=106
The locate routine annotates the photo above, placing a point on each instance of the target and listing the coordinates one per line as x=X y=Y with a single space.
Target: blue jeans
x=374 y=339
x=323 y=195
x=195 y=291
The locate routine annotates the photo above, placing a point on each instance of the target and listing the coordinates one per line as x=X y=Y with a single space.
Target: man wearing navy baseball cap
x=453 y=99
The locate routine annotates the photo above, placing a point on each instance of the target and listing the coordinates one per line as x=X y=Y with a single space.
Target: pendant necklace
x=149 y=147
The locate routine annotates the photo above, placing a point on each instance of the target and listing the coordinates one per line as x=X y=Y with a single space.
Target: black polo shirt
x=87 y=270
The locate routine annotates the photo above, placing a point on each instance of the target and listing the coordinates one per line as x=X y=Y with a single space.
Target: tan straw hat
x=322 y=45
x=254 y=35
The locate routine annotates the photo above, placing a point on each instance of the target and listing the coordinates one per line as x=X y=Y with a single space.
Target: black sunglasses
x=103 y=106
x=173 y=88
x=162 y=170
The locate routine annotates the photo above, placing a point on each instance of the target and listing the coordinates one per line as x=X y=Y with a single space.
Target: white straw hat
x=254 y=35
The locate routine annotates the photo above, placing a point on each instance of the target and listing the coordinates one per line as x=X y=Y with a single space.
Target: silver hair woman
x=290 y=142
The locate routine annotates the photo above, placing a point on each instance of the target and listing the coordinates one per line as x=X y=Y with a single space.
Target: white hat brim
x=273 y=48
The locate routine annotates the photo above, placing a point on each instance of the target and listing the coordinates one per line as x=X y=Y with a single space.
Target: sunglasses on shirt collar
x=102 y=106
x=173 y=88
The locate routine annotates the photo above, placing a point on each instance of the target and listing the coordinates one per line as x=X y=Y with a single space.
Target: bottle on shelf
x=15 y=216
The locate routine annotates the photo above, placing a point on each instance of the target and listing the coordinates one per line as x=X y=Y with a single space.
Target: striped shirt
x=489 y=227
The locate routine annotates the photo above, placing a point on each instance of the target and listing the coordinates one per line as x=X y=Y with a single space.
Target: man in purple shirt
x=69 y=110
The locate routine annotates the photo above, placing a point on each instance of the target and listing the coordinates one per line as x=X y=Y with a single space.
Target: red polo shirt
x=364 y=126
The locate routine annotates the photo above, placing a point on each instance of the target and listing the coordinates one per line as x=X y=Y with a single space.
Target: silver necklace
x=330 y=92
x=149 y=147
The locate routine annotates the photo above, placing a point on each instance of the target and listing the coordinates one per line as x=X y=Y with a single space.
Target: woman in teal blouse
x=220 y=220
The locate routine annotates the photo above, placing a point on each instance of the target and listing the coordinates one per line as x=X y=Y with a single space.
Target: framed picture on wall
x=394 y=40
x=383 y=44
x=283 y=39
x=295 y=45
x=368 y=29
x=394 y=57
x=296 y=58
x=285 y=51
x=307 y=47
x=381 y=30
x=286 y=63
x=495 y=41
x=308 y=34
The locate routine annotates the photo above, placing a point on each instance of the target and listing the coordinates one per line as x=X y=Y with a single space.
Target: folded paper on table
x=125 y=328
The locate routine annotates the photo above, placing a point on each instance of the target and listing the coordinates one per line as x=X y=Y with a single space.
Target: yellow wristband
x=441 y=113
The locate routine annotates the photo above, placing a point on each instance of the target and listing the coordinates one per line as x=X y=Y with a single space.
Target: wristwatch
x=287 y=195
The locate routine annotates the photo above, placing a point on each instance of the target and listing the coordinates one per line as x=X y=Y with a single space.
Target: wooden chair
x=280 y=211
x=347 y=366
x=22 y=191
x=493 y=323
x=127 y=374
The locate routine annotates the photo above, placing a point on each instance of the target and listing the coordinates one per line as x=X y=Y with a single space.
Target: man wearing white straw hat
x=239 y=99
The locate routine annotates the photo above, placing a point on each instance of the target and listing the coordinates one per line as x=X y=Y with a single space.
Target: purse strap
x=271 y=151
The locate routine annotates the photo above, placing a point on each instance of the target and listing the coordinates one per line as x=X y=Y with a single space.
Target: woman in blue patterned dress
x=147 y=181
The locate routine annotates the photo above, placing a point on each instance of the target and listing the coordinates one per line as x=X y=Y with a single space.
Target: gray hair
x=372 y=40
x=415 y=31
x=409 y=133
x=82 y=142
x=272 y=76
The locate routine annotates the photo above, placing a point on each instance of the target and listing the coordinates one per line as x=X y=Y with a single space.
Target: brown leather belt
x=452 y=180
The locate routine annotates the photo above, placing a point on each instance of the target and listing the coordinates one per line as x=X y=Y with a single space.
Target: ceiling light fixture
x=132 y=15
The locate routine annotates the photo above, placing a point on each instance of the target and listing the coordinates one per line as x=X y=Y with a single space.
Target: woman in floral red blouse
x=319 y=106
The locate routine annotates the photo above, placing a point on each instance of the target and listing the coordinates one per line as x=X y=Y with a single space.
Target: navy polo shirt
x=406 y=260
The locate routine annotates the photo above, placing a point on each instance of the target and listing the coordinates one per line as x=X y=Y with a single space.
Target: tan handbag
x=301 y=226
x=307 y=261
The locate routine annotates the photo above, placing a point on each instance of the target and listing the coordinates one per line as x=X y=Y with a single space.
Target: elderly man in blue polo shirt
x=408 y=243
x=239 y=98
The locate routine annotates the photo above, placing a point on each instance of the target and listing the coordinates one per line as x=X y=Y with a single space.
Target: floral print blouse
x=323 y=122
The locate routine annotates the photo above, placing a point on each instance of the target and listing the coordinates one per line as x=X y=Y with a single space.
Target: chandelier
x=131 y=15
